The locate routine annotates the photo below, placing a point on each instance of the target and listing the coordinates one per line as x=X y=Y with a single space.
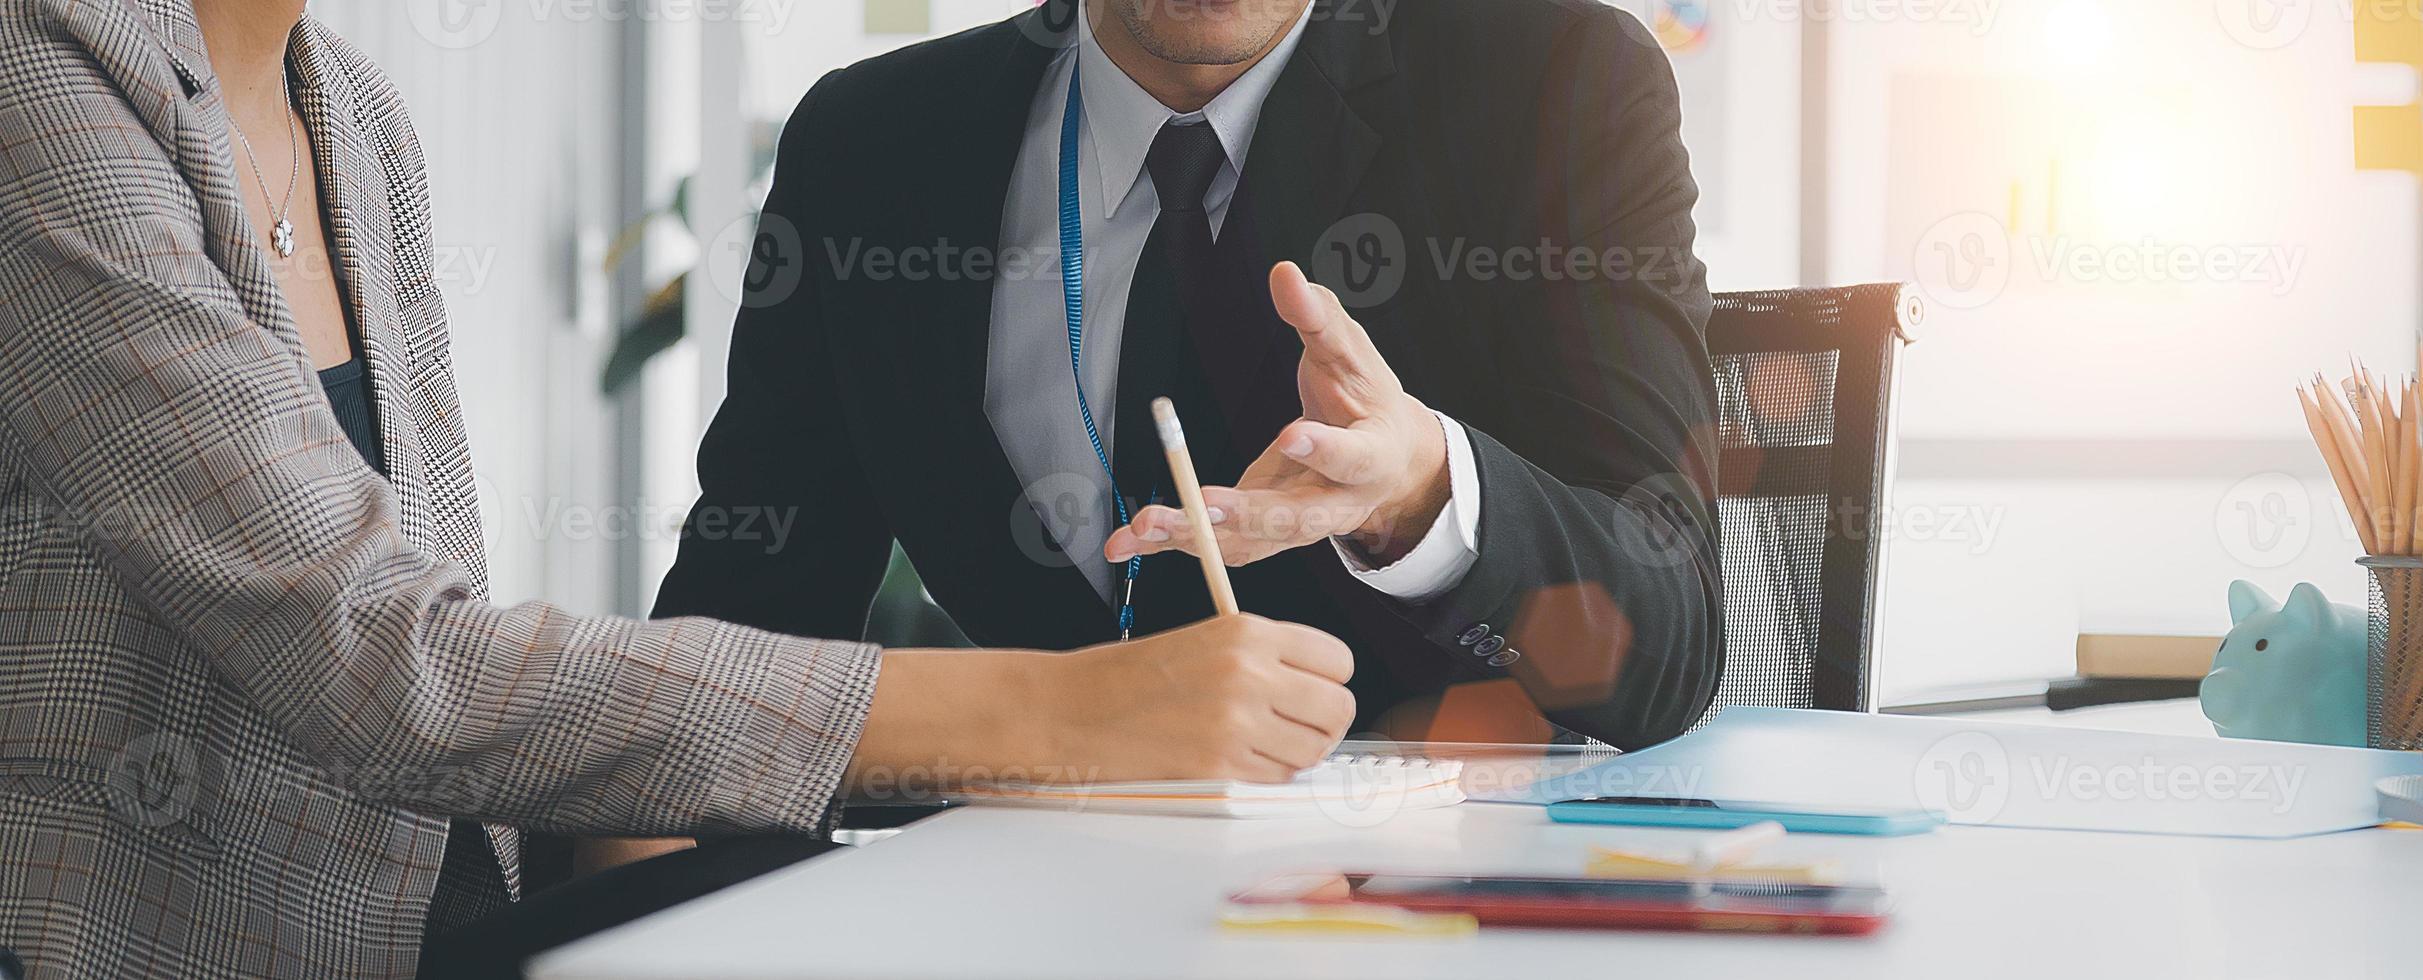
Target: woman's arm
x=188 y=447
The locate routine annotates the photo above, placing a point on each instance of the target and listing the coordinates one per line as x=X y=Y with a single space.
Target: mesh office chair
x=1805 y=381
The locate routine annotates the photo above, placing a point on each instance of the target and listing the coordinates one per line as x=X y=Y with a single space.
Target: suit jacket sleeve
x=1598 y=566
x=769 y=454
x=198 y=458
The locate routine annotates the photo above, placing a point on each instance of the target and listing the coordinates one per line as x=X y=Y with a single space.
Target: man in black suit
x=1481 y=452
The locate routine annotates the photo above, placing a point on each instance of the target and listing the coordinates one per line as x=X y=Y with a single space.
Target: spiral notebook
x=1344 y=784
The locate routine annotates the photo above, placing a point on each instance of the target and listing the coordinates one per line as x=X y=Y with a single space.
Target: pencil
x=1190 y=496
x=2350 y=448
x=2335 y=458
x=2334 y=415
x=2369 y=429
x=2402 y=446
x=2375 y=451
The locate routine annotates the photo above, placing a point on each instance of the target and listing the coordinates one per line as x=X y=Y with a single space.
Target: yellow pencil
x=2337 y=457
x=1190 y=496
x=2402 y=456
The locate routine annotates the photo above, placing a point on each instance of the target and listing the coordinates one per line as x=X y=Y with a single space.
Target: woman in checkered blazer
x=249 y=676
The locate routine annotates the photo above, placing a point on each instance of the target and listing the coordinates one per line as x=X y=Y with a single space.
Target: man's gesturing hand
x=1366 y=461
x=1235 y=697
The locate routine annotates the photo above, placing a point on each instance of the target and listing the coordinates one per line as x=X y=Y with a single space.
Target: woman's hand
x=1235 y=697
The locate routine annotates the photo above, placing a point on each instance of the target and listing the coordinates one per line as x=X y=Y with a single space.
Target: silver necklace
x=281 y=237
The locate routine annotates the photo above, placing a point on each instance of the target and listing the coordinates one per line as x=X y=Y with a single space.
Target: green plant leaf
x=662 y=322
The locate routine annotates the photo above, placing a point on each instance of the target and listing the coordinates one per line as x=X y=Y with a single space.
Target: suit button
x=1472 y=634
x=1489 y=646
x=1504 y=657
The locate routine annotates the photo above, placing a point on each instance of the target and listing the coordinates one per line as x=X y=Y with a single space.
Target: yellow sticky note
x=2388 y=32
x=2389 y=137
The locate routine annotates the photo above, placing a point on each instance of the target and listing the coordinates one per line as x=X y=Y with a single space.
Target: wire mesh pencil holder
x=2393 y=647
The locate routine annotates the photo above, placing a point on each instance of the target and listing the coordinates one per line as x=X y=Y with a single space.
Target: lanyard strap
x=1072 y=293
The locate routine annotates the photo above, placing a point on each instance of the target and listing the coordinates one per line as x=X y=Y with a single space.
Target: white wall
x=2136 y=442
x=517 y=115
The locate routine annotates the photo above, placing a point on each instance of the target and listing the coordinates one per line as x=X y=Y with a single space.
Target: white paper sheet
x=2006 y=775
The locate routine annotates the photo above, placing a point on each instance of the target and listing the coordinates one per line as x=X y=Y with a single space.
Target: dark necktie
x=1176 y=275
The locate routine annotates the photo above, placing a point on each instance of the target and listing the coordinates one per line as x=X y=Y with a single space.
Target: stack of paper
x=1352 y=787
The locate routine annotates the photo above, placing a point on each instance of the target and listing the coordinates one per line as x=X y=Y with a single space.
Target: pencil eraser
x=1165 y=416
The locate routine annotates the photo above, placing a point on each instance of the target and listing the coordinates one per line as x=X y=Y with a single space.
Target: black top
x=468 y=859
x=349 y=394
x=1416 y=168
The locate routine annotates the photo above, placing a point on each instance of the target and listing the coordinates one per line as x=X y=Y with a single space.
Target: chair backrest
x=1805 y=380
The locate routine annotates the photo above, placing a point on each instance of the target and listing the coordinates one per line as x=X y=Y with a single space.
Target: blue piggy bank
x=2289 y=672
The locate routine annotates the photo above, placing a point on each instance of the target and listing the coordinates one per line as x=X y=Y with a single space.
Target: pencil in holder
x=2393 y=632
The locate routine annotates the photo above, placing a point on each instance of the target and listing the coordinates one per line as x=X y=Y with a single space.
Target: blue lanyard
x=1072 y=292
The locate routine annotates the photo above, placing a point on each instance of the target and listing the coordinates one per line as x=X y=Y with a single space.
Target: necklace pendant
x=282 y=239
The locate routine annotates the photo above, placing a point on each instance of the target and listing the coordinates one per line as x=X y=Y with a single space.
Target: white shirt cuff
x=1448 y=550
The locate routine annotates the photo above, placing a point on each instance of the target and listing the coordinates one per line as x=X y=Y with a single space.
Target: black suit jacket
x=1499 y=184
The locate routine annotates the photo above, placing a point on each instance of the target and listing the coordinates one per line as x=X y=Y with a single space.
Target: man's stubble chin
x=1183 y=40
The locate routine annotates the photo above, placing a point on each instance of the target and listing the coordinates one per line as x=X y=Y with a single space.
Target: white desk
x=1019 y=893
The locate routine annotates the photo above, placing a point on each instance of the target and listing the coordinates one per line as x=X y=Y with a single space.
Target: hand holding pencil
x=1190 y=496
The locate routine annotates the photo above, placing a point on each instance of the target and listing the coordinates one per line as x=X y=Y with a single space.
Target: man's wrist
x=1397 y=526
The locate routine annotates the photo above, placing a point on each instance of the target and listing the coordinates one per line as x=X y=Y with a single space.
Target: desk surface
x=1023 y=893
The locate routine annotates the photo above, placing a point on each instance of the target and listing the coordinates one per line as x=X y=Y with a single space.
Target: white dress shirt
x=1030 y=396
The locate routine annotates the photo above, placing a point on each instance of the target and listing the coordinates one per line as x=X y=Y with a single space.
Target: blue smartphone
x=1676 y=811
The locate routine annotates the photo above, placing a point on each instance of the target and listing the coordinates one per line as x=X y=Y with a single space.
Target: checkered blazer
x=243 y=679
